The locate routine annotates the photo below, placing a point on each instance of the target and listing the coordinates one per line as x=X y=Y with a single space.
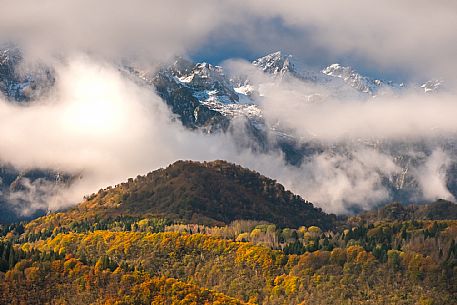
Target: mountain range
x=207 y=98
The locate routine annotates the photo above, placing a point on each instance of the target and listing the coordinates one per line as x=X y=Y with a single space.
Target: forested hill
x=214 y=193
x=438 y=210
x=152 y=240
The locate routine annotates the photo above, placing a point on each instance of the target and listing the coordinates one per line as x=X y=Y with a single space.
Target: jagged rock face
x=26 y=86
x=353 y=79
x=209 y=83
x=181 y=100
x=276 y=64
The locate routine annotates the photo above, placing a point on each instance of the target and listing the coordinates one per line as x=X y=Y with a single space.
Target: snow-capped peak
x=275 y=63
x=338 y=70
x=353 y=78
x=432 y=86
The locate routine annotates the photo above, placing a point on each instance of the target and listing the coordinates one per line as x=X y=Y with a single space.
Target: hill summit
x=214 y=193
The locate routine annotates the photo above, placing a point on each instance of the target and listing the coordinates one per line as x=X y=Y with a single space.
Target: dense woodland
x=95 y=255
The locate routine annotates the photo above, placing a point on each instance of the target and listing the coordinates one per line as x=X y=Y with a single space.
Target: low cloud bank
x=103 y=129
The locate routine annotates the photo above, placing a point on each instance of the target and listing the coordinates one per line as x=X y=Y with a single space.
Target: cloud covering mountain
x=103 y=126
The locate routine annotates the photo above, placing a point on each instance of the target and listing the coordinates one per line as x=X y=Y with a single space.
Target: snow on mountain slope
x=285 y=68
x=211 y=87
x=208 y=83
x=275 y=64
x=353 y=79
x=339 y=81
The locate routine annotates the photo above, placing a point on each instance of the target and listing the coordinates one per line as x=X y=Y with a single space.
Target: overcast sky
x=399 y=38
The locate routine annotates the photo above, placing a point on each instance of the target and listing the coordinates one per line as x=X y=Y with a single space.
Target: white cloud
x=413 y=36
x=432 y=176
x=137 y=29
x=416 y=36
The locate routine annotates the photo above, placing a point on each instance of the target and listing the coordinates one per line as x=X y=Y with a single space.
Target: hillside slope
x=438 y=210
x=209 y=193
x=112 y=248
